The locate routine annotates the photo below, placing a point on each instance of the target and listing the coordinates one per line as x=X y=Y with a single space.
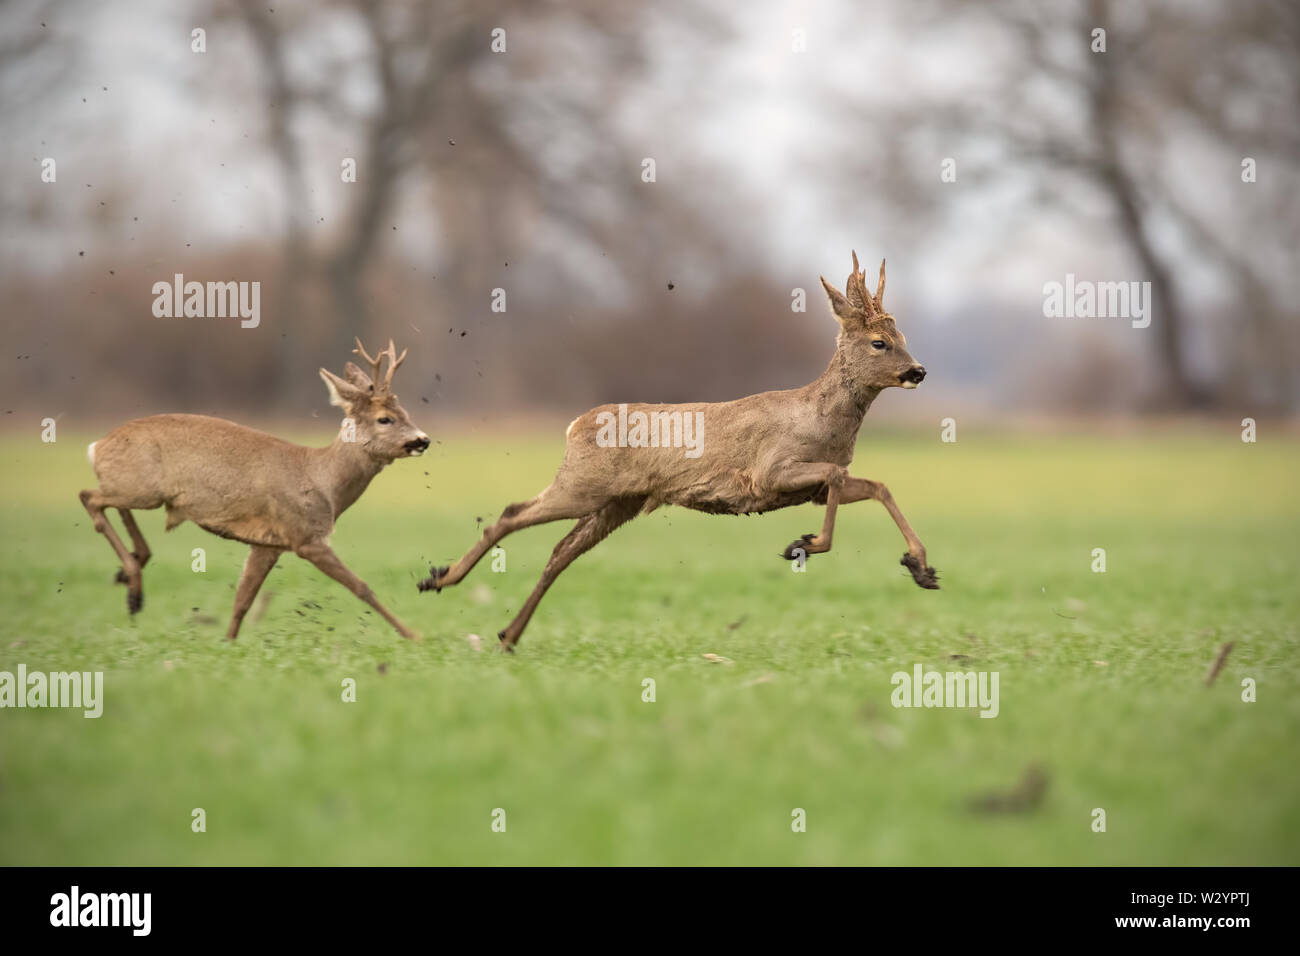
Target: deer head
x=871 y=348
x=383 y=428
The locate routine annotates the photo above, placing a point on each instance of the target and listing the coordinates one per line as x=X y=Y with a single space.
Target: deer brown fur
x=755 y=454
x=245 y=484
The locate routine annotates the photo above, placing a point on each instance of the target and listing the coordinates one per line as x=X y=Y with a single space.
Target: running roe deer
x=755 y=454
x=245 y=484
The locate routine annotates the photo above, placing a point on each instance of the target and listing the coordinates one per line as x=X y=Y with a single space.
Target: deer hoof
x=431 y=582
x=134 y=601
x=926 y=577
x=793 y=549
x=507 y=646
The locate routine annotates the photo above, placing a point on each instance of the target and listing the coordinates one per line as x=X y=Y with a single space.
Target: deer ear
x=343 y=394
x=841 y=307
x=357 y=377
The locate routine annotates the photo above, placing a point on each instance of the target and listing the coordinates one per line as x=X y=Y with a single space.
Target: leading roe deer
x=245 y=484
x=755 y=454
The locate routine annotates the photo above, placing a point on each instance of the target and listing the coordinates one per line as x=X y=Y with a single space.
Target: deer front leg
x=141 y=552
x=321 y=555
x=803 y=475
x=862 y=489
x=95 y=502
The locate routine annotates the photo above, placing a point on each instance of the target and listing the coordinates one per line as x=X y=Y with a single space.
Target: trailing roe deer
x=244 y=484
x=751 y=455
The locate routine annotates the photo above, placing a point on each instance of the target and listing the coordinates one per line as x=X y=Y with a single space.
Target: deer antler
x=880 y=287
x=394 y=360
x=374 y=363
x=377 y=362
x=855 y=289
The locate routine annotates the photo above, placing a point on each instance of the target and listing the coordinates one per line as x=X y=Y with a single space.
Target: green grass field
x=1100 y=674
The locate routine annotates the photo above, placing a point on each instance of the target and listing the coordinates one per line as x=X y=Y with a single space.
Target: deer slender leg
x=590 y=530
x=321 y=555
x=862 y=489
x=550 y=505
x=141 y=552
x=817 y=543
x=257 y=566
x=805 y=475
x=94 y=503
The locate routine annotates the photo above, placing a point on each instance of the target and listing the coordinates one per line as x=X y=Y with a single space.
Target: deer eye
x=385 y=420
x=878 y=344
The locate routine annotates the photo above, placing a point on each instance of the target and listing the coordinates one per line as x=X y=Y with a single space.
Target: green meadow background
x=1100 y=674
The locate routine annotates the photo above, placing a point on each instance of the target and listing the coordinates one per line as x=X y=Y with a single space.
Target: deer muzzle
x=912 y=377
x=416 y=446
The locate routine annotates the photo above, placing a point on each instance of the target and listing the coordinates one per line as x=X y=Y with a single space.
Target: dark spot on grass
x=1024 y=797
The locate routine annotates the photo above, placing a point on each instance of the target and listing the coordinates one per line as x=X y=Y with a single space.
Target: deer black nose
x=417 y=444
x=914 y=374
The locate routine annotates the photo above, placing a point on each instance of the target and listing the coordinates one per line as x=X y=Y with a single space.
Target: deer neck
x=839 y=395
x=343 y=471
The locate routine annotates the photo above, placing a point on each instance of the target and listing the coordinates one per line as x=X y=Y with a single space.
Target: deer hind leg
x=590 y=530
x=862 y=489
x=257 y=566
x=550 y=505
x=321 y=555
x=141 y=552
x=95 y=502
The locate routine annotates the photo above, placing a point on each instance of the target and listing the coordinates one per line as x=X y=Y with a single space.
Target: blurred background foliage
x=522 y=170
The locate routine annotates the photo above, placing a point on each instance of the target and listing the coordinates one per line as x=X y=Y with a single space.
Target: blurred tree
x=35 y=65
x=504 y=116
x=1156 y=126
